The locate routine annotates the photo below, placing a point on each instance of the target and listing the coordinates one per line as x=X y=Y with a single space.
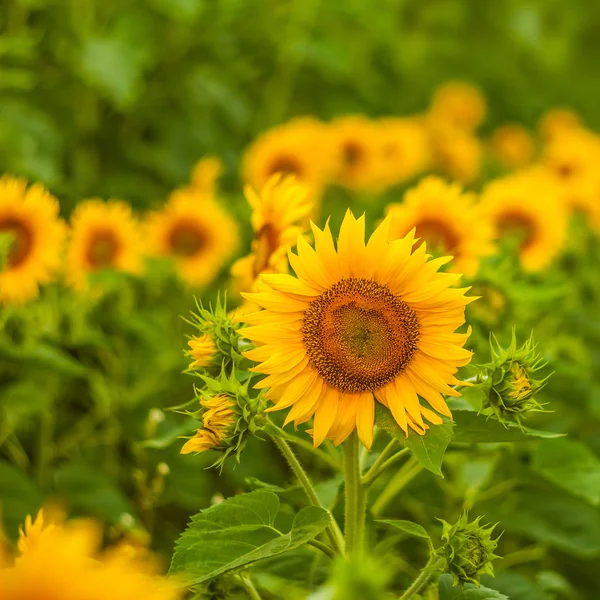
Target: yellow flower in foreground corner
x=63 y=560
x=279 y=214
x=528 y=207
x=104 y=235
x=217 y=418
x=363 y=323
x=447 y=219
x=30 y=217
x=195 y=231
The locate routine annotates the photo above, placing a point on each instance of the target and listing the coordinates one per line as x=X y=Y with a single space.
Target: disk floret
x=228 y=416
x=468 y=550
x=510 y=382
x=217 y=342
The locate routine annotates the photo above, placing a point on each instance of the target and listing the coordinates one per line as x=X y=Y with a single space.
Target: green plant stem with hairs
x=356 y=501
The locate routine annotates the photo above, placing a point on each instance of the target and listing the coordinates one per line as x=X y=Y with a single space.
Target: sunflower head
x=32 y=235
x=510 y=381
x=205 y=174
x=456 y=152
x=195 y=232
x=512 y=145
x=556 y=121
x=217 y=343
x=447 y=219
x=359 y=323
x=458 y=104
x=228 y=415
x=468 y=550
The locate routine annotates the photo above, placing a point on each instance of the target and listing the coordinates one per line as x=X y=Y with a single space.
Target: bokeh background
x=119 y=98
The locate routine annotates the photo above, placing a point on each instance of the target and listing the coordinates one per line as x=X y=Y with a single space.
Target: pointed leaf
x=406 y=526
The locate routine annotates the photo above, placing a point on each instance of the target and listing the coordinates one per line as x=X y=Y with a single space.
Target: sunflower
x=358 y=148
x=458 y=104
x=404 y=147
x=104 y=235
x=202 y=351
x=196 y=232
x=280 y=212
x=527 y=206
x=63 y=560
x=557 y=121
x=447 y=219
x=359 y=324
x=217 y=419
x=205 y=174
x=30 y=217
x=456 y=152
x=301 y=147
x=512 y=145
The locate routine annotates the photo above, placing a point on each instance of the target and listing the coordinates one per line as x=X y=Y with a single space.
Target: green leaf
x=238 y=532
x=406 y=526
x=428 y=449
x=472 y=427
x=447 y=591
x=571 y=465
x=89 y=491
x=19 y=497
x=516 y=586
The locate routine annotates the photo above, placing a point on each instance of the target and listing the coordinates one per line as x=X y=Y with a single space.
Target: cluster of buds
x=216 y=345
x=228 y=415
x=509 y=381
x=468 y=550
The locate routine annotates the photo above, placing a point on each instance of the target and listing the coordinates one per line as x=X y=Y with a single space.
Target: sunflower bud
x=510 y=385
x=217 y=342
x=468 y=550
x=228 y=416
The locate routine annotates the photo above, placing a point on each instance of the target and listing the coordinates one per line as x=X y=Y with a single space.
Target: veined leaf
x=238 y=532
x=448 y=591
x=406 y=526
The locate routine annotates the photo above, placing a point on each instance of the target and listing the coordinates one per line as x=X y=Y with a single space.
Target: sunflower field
x=299 y=300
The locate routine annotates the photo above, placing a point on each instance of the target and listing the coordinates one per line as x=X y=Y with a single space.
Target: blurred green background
x=118 y=98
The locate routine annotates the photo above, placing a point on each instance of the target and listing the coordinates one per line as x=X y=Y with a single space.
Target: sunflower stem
x=356 y=505
x=333 y=531
x=249 y=586
x=324 y=548
x=375 y=469
x=322 y=455
x=421 y=579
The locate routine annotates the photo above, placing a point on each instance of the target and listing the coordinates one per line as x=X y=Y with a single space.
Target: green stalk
x=248 y=585
x=332 y=530
x=356 y=504
x=324 y=456
x=324 y=548
x=398 y=481
x=421 y=580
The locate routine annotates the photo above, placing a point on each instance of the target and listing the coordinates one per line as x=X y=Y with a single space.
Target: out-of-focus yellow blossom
x=63 y=560
x=205 y=174
x=196 y=232
x=458 y=104
x=557 y=121
x=104 y=235
x=301 y=147
x=528 y=206
x=512 y=145
x=30 y=217
x=456 y=153
x=447 y=219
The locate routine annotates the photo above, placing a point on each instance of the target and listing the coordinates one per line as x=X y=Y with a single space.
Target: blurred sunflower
x=456 y=152
x=104 y=235
x=302 y=148
x=365 y=322
x=458 y=104
x=358 y=145
x=30 y=217
x=527 y=208
x=205 y=174
x=196 y=232
x=447 y=219
x=280 y=212
x=557 y=121
x=63 y=560
x=404 y=147
x=512 y=145
x=573 y=155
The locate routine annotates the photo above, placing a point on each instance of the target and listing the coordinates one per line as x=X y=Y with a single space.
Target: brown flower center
x=359 y=335
x=286 y=165
x=186 y=239
x=437 y=235
x=102 y=250
x=517 y=225
x=353 y=153
x=22 y=243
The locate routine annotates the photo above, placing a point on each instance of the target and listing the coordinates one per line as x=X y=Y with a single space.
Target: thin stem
x=326 y=458
x=421 y=580
x=248 y=585
x=355 y=496
x=324 y=548
x=375 y=469
x=396 y=483
x=333 y=530
x=45 y=441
